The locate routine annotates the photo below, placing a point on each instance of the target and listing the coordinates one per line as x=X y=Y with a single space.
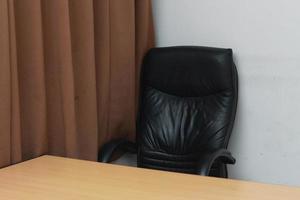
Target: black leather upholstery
x=187 y=108
x=188 y=105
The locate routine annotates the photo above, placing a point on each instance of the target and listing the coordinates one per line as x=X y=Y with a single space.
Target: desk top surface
x=49 y=177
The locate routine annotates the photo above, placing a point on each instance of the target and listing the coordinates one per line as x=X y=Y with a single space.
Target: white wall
x=265 y=36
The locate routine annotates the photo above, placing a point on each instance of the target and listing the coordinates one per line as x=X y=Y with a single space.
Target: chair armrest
x=208 y=158
x=106 y=152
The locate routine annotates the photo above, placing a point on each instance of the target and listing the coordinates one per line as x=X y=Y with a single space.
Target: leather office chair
x=186 y=113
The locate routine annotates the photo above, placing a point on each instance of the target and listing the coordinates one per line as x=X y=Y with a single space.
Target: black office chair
x=186 y=113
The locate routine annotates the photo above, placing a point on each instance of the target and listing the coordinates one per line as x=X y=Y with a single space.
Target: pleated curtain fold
x=69 y=74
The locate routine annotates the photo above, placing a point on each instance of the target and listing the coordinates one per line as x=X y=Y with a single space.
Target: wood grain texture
x=51 y=177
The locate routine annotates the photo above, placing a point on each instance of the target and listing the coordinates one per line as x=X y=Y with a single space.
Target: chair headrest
x=189 y=71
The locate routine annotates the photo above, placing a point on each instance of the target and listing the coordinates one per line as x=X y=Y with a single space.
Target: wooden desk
x=57 y=178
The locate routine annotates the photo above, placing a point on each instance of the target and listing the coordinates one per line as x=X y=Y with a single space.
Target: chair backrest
x=187 y=105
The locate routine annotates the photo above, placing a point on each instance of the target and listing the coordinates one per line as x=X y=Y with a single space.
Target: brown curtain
x=69 y=74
